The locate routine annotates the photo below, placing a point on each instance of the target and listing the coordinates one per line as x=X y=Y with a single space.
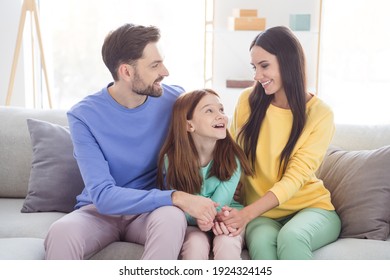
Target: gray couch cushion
x=22 y=249
x=15 y=148
x=120 y=251
x=55 y=179
x=359 y=182
x=13 y=223
x=131 y=251
x=354 y=249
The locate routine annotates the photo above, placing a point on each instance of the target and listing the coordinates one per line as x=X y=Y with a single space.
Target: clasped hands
x=224 y=223
x=228 y=221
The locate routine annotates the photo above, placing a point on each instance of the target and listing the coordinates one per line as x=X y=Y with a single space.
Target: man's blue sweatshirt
x=117 y=148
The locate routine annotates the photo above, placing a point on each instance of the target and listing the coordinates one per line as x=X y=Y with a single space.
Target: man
x=117 y=134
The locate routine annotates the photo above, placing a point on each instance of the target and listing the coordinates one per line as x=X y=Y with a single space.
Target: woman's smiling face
x=266 y=67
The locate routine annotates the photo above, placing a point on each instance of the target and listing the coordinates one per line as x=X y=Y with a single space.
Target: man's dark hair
x=126 y=45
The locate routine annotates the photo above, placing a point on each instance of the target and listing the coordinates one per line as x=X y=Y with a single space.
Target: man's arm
x=101 y=187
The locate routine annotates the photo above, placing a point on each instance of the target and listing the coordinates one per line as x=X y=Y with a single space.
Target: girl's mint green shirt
x=219 y=191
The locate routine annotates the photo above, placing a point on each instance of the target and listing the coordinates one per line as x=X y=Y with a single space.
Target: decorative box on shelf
x=300 y=22
x=244 y=13
x=245 y=19
x=246 y=23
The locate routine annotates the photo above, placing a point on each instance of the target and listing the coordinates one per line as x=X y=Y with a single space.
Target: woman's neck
x=281 y=100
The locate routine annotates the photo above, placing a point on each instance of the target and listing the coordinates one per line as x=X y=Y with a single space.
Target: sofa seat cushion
x=354 y=249
x=22 y=249
x=131 y=251
x=13 y=223
x=120 y=251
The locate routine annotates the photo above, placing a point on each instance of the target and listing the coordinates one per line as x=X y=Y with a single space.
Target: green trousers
x=294 y=237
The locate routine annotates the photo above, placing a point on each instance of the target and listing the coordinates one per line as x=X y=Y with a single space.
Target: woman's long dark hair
x=282 y=43
x=183 y=172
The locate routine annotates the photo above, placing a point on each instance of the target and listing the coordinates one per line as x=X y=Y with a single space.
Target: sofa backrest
x=16 y=151
x=361 y=137
x=15 y=146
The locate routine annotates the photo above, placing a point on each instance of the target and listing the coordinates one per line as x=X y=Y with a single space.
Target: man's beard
x=140 y=88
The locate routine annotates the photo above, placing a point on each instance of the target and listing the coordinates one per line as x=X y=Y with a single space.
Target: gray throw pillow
x=359 y=183
x=55 y=178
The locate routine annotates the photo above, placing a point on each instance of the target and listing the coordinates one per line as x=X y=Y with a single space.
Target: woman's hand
x=234 y=220
x=220 y=228
x=238 y=219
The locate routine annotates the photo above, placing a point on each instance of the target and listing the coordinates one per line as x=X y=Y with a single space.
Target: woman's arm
x=308 y=155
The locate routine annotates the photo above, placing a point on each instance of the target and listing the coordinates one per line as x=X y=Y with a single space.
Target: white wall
x=10 y=11
x=355 y=58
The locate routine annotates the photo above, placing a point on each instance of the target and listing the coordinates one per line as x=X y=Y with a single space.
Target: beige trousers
x=83 y=232
x=197 y=245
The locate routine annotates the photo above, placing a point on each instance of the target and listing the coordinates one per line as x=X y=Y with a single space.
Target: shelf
x=239 y=83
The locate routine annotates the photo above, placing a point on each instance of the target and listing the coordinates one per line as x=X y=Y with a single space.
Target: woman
x=285 y=132
x=200 y=157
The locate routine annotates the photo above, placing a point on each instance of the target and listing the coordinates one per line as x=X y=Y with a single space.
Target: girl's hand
x=220 y=228
x=204 y=225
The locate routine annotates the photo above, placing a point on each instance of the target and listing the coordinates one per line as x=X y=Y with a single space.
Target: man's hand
x=196 y=206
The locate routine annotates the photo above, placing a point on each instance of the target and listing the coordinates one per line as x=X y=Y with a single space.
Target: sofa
x=39 y=180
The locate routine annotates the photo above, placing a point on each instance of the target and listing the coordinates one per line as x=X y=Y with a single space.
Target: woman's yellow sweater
x=298 y=187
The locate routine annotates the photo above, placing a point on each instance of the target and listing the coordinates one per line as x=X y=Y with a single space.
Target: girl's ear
x=190 y=127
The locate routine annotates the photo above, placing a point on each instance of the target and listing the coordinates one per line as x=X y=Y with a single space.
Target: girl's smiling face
x=209 y=120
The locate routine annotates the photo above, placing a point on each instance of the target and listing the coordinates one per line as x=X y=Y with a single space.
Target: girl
x=200 y=157
x=285 y=132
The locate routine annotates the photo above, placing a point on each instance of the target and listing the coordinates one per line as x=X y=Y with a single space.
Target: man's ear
x=125 y=71
x=190 y=127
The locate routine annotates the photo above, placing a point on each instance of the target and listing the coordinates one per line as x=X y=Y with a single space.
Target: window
x=355 y=56
x=74 y=31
